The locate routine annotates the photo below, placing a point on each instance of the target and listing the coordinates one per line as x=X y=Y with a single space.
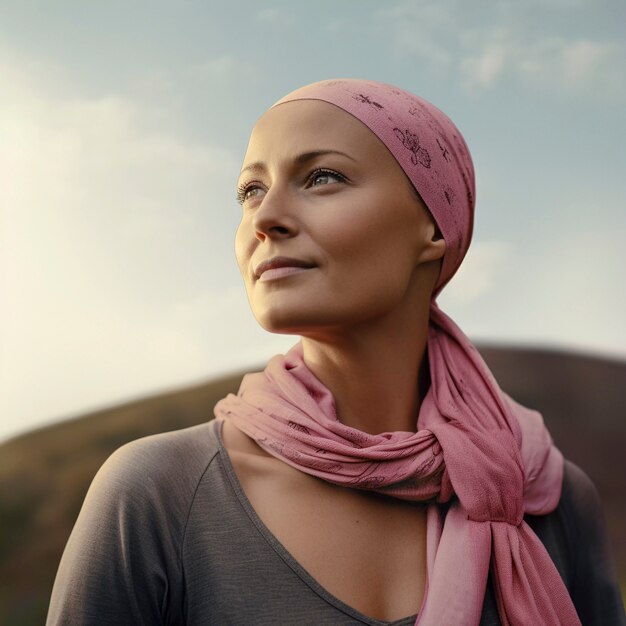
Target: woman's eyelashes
x=325 y=175
x=317 y=178
x=243 y=191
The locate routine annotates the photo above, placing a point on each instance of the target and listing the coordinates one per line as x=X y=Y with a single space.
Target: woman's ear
x=435 y=245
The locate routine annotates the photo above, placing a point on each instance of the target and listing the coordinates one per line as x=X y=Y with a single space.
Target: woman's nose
x=274 y=216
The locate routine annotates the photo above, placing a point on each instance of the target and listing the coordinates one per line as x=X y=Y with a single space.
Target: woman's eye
x=318 y=178
x=245 y=193
x=324 y=177
x=249 y=193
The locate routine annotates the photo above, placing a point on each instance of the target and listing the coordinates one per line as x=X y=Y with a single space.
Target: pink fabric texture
x=474 y=445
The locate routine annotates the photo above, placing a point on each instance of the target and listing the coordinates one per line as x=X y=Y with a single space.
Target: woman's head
x=325 y=180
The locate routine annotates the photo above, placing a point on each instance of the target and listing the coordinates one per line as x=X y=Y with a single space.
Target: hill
x=45 y=474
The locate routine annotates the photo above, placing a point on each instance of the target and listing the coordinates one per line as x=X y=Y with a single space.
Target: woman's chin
x=282 y=325
x=291 y=321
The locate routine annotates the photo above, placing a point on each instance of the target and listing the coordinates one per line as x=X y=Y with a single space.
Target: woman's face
x=318 y=186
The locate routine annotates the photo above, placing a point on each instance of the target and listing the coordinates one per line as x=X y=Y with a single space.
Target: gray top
x=166 y=535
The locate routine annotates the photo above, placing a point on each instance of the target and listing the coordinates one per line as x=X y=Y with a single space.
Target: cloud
x=484 y=69
x=480 y=271
x=565 y=292
x=550 y=62
x=221 y=68
x=575 y=65
x=580 y=275
x=107 y=153
x=483 y=46
x=109 y=216
x=419 y=32
x=275 y=17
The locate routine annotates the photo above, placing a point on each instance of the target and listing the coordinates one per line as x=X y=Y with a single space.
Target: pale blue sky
x=123 y=125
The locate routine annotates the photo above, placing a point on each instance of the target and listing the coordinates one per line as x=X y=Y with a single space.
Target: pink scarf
x=474 y=444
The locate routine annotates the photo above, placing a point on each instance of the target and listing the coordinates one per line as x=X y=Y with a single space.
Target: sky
x=122 y=130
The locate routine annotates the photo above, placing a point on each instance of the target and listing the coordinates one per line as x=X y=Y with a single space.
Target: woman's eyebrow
x=300 y=159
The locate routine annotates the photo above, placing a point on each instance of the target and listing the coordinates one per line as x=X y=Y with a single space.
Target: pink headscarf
x=474 y=446
x=427 y=145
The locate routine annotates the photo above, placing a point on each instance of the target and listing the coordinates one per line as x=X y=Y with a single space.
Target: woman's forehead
x=303 y=126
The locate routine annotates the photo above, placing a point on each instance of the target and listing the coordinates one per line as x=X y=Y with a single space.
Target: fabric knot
x=486 y=472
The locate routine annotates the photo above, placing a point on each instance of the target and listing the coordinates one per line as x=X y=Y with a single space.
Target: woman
x=375 y=473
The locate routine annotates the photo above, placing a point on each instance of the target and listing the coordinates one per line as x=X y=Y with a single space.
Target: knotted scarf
x=491 y=458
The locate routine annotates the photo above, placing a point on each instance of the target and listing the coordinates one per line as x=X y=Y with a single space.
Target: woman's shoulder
x=579 y=491
x=122 y=559
x=577 y=537
x=580 y=508
x=163 y=452
x=162 y=466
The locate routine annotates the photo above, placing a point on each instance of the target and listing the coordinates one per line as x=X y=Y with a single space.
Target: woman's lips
x=281 y=272
x=280 y=261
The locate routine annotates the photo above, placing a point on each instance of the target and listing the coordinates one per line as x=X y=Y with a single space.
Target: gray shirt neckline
x=282 y=552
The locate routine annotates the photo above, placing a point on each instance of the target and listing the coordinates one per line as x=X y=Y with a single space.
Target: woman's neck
x=378 y=374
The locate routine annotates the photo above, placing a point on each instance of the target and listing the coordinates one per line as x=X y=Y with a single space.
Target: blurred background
x=122 y=130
